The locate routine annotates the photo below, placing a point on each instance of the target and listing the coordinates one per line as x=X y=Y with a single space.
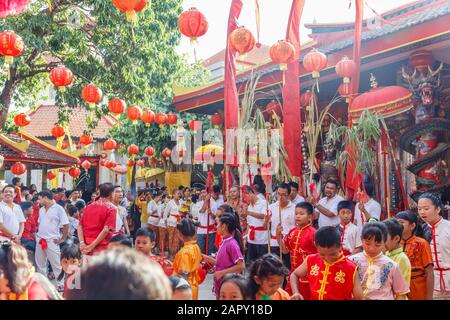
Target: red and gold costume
x=300 y=243
x=331 y=281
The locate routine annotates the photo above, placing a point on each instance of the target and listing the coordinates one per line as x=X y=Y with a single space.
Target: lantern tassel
x=131 y=16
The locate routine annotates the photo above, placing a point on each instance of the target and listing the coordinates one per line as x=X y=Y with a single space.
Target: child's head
x=234 y=287
x=303 y=213
x=145 y=240
x=394 y=235
x=27 y=208
x=267 y=275
x=70 y=258
x=328 y=244
x=180 y=288
x=118 y=240
x=186 y=228
x=409 y=221
x=229 y=224
x=429 y=207
x=73 y=211
x=374 y=235
x=345 y=212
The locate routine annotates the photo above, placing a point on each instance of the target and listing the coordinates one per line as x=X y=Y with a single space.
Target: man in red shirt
x=98 y=222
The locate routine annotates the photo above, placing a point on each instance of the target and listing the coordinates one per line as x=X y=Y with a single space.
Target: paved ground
x=205 y=289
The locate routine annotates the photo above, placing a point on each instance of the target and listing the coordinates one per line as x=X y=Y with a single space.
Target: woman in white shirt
x=173 y=216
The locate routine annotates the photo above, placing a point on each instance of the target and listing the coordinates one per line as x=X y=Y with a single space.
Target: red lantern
x=130 y=7
x=172 y=119
x=147 y=117
x=109 y=145
x=116 y=106
x=167 y=153
x=273 y=107
x=74 y=172
x=305 y=98
x=11 y=45
x=242 y=41
x=195 y=125
x=134 y=113
x=51 y=175
x=92 y=95
x=344 y=91
x=149 y=151
x=64 y=145
x=103 y=155
x=86 y=165
x=12 y=7
x=282 y=53
x=346 y=68
x=140 y=163
x=18 y=168
x=86 y=140
x=130 y=163
x=61 y=77
x=161 y=119
x=192 y=24
x=22 y=120
x=58 y=131
x=314 y=61
x=216 y=119
x=133 y=149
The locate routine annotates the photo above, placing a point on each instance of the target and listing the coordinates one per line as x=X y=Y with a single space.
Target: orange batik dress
x=188 y=261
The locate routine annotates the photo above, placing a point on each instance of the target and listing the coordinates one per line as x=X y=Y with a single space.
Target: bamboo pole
x=269 y=235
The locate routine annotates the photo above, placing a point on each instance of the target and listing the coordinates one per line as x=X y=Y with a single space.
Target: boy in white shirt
x=350 y=238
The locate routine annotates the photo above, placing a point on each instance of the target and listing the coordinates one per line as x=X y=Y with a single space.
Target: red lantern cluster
x=242 y=41
x=147 y=117
x=216 y=119
x=282 y=53
x=11 y=45
x=92 y=95
x=22 y=120
x=314 y=61
x=116 y=106
x=58 y=131
x=109 y=145
x=18 y=168
x=192 y=24
x=133 y=149
x=134 y=113
x=130 y=7
x=86 y=140
x=61 y=77
x=161 y=119
x=346 y=68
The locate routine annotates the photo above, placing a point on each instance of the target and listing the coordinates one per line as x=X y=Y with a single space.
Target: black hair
x=249 y=189
x=60 y=190
x=45 y=193
x=434 y=198
x=258 y=180
x=332 y=181
x=71 y=210
x=25 y=205
x=411 y=217
x=285 y=186
x=186 y=227
x=240 y=281
x=293 y=184
x=68 y=193
x=194 y=198
x=62 y=203
x=260 y=187
x=15 y=180
x=229 y=219
x=9 y=186
x=316 y=177
x=264 y=267
x=307 y=206
x=80 y=205
x=394 y=228
x=216 y=188
x=175 y=280
x=106 y=189
x=328 y=237
x=69 y=250
x=345 y=204
x=24 y=188
x=376 y=230
x=122 y=239
x=143 y=232
x=369 y=189
x=227 y=208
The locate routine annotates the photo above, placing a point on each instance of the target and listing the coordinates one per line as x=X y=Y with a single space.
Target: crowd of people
x=259 y=245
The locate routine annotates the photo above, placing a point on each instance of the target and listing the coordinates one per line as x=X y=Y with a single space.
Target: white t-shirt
x=203 y=220
x=287 y=220
x=215 y=204
x=51 y=221
x=440 y=249
x=195 y=209
x=152 y=206
x=73 y=225
x=121 y=214
x=298 y=199
x=260 y=235
x=11 y=218
x=374 y=210
x=172 y=210
x=351 y=239
x=331 y=205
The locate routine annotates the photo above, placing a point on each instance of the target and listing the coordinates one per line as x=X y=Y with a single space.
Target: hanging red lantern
x=109 y=145
x=195 y=125
x=86 y=165
x=167 y=153
x=74 y=172
x=282 y=53
x=161 y=119
x=64 y=145
x=172 y=119
x=92 y=95
x=22 y=120
x=147 y=117
x=192 y=24
x=134 y=113
x=305 y=98
x=86 y=140
x=61 y=77
x=140 y=163
x=130 y=163
x=11 y=45
x=51 y=175
x=130 y=7
x=314 y=61
x=12 y=7
x=344 y=91
x=133 y=149
x=149 y=151
x=103 y=155
x=216 y=119
x=116 y=106
x=346 y=68
x=18 y=168
x=242 y=41
x=271 y=108
x=58 y=131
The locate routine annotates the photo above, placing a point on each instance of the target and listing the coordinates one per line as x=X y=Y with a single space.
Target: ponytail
x=230 y=220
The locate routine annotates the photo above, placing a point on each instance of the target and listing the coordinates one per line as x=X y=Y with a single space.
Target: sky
x=274 y=16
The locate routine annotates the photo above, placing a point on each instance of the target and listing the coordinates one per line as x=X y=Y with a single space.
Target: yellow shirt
x=402 y=261
x=188 y=260
x=143 y=206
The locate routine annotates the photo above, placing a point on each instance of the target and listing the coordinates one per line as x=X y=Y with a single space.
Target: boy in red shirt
x=28 y=239
x=299 y=243
x=145 y=242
